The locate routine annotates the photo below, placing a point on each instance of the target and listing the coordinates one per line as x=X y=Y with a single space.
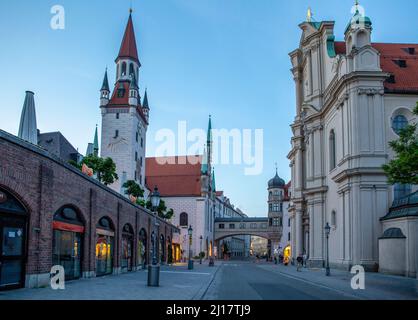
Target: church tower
x=124 y=119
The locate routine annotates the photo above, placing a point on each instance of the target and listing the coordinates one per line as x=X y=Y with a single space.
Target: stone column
x=299 y=235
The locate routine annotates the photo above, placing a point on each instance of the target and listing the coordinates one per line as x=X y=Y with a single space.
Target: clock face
x=117 y=143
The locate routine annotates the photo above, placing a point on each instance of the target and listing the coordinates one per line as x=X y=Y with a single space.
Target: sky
x=226 y=58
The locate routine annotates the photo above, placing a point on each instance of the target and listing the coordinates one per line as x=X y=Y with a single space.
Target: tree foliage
x=103 y=168
x=162 y=210
x=133 y=189
x=403 y=168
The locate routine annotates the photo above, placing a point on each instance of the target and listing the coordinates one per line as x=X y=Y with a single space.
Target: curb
x=204 y=288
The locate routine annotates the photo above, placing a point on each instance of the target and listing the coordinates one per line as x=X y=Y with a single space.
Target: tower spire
x=96 y=143
x=105 y=85
x=145 y=103
x=27 y=129
x=128 y=48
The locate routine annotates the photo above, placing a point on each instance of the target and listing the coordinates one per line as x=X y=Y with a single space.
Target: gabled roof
x=128 y=47
x=405 y=79
x=123 y=102
x=177 y=176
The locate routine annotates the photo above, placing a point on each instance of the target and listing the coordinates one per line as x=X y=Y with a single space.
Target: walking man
x=299 y=261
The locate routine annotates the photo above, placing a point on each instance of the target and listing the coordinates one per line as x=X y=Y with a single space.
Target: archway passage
x=67 y=241
x=104 y=246
x=13 y=221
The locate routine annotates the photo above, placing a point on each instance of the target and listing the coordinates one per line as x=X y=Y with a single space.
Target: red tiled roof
x=406 y=79
x=128 y=48
x=174 y=176
x=123 y=102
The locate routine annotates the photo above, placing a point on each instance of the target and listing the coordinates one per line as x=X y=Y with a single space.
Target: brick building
x=51 y=213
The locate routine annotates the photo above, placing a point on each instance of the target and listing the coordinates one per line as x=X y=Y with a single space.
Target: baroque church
x=352 y=98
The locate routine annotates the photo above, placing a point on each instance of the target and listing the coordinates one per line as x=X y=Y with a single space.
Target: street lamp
x=327 y=232
x=200 y=253
x=190 y=231
x=154 y=268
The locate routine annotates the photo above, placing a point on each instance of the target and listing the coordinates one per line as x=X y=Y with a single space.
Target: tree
x=133 y=189
x=104 y=168
x=161 y=210
x=403 y=168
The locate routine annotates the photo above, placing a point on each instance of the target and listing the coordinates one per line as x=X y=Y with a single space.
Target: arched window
x=398 y=123
x=131 y=69
x=184 y=219
x=332 y=152
x=123 y=69
x=401 y=190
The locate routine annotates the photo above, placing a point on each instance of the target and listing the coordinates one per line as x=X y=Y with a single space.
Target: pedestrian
x=305 y=259
x=299 y=260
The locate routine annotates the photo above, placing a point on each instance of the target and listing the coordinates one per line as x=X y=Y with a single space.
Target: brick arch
x=16 y=191
x=76 y=208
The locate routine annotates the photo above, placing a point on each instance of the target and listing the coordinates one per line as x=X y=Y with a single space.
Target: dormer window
x=410 y=50
x=401 y=63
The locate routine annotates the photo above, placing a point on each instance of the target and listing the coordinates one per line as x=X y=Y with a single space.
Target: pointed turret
x=209 y=144
x=96 y=143
x=104 y=91
x=213 y=181
x=204 y=166
x=133 y=91
x=145 y=106
x=27 y=129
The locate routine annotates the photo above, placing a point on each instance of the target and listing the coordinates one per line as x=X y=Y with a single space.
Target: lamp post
x=154 y=268
x=200 y=253
x=327 y=232
x=190 y=231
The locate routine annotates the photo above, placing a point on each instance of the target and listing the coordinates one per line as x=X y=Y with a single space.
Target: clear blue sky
x=199 y=57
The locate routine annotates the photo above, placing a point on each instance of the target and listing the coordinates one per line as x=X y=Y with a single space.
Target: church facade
x=352 y=98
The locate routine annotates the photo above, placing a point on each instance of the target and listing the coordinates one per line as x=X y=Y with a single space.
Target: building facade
x=124 y=117
x=52 y=214
x=352 y=98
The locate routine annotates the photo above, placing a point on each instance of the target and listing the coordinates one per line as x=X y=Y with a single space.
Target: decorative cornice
x=370 y=91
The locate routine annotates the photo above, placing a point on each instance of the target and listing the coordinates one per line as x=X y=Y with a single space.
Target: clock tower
x=124 y=118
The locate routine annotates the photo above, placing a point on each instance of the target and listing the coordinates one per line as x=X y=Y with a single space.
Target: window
x=184 y=219
x=136 y=136
x=117 y=115
x=332 y=155
x=270 y=207
x=288 y=222
x=288 y=236
x=142 y=142
x=242 y=226
x=401 y=190
x=124 y=69
x=270 y=222
x=135 y=175
x=264 y=226
x=221 y=226
x=276 y=207
x=140 y=161
x=281 y=207
x=334 y=218
x=232 y=226
x=399 y=123
x=121 y=92
x=131 y=69
x=136 y=156
x=253 y=226
x=116 y=133
x=401 y=63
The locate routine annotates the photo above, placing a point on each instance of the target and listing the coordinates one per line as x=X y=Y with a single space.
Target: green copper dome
x=357 y=19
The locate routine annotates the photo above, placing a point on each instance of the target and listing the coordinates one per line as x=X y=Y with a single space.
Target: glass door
x=104 y=255
x=67 y=253
x=12 y=254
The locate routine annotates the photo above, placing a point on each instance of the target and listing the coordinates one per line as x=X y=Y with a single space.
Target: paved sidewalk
x=378 y=286
x=176 y=283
